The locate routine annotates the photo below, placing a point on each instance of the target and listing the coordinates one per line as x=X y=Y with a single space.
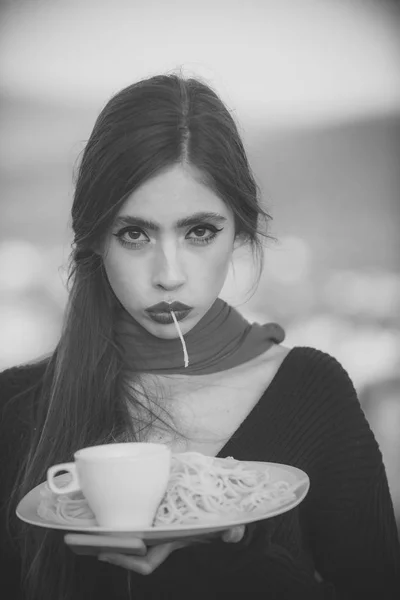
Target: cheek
x=221 y=265
x=126 y=277
x=214 y=267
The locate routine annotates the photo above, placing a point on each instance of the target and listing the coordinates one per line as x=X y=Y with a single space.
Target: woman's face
x=172 y=240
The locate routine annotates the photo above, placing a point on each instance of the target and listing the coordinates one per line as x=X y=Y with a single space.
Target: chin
x=166 y=334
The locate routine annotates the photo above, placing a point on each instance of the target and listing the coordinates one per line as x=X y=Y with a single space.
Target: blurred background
x=315 y=88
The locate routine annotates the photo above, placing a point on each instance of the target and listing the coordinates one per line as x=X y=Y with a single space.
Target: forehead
x=173 y=194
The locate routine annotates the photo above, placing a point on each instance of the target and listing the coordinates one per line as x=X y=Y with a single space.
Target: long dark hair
x=84 y=396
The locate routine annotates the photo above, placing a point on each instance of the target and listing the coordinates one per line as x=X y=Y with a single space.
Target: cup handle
x=72 y=486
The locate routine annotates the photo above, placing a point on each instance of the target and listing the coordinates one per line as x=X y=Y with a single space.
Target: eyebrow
x=194 y=219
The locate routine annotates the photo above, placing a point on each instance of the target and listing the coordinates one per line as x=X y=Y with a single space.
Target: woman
x=163 y=196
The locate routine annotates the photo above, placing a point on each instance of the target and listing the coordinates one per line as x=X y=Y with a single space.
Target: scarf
x=221 y=340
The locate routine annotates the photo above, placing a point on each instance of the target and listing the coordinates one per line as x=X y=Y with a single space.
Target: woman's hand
x=145 y=563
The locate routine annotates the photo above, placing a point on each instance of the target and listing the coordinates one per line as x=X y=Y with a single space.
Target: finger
x=93 y=544
x=234 y=534
x=146 y=565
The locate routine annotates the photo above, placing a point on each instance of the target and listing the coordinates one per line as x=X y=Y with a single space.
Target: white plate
x=27 y=511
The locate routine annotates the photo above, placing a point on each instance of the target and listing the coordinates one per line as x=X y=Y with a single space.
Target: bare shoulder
x=272 y=358
x=276 y=353
x=260 y=370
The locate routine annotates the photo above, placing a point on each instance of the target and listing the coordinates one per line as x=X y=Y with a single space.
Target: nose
x=168 y=273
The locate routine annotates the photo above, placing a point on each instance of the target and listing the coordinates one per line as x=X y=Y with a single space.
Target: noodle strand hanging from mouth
x=185 y=353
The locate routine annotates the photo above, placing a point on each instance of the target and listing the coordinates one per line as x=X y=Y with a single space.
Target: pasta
x=201 y=489
x=71 y=508
x=185 y=353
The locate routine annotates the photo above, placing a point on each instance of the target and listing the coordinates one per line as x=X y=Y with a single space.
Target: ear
x=100 y=248
x=240 y=240
x=97 y=250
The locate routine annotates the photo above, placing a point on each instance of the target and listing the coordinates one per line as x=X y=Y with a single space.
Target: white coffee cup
x=123 y=483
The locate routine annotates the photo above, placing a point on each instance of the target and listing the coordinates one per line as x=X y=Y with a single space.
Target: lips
x=165 y=307
x=161 y=312
x=166 y=318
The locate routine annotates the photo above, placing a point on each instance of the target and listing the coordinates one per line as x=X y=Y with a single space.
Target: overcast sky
x=281 y=59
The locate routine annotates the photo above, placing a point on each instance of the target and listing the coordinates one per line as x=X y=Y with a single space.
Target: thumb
x=234 y=534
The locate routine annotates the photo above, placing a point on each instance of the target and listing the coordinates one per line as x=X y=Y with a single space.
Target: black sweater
x=345 y=529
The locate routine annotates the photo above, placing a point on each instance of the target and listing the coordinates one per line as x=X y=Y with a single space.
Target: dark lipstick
x=161 y=312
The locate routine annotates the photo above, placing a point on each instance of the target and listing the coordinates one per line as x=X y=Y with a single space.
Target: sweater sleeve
x=351 y=522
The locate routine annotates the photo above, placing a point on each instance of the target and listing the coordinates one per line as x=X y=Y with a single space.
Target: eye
x=203 y=234
x=132 y=237
x=200 y=231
